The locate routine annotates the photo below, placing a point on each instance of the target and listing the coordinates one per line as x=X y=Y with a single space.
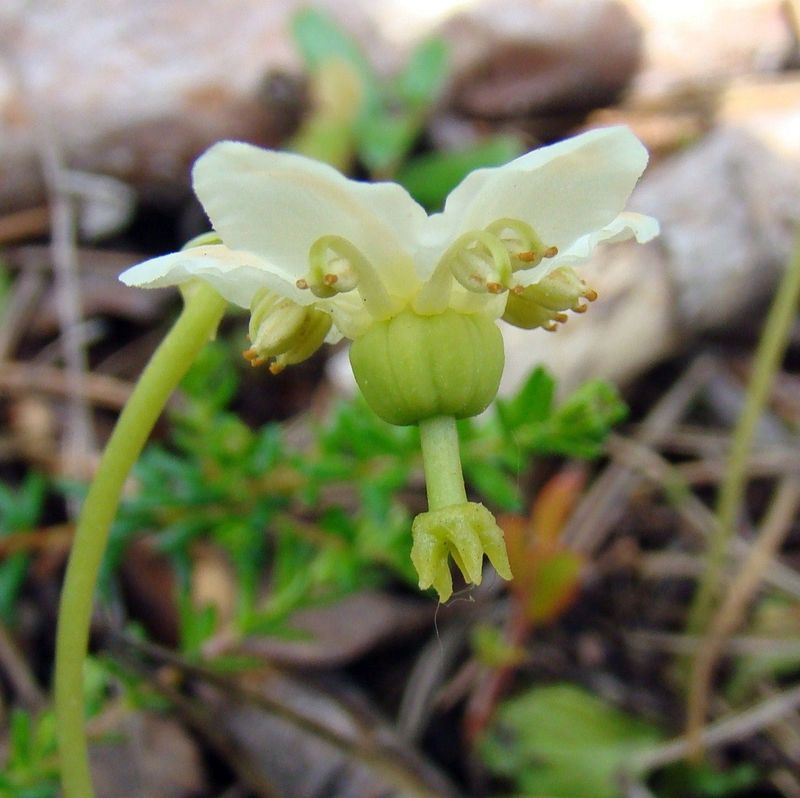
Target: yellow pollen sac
x=543 y=304
x=283 y=332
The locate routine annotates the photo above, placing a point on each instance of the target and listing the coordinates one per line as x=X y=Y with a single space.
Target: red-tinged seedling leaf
x=521 y=558
x=553 y=505
x=555 y=585
x=546 y=575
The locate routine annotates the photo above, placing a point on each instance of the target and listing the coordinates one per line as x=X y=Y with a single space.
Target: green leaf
x=420 y=83
x=384 y=138
x=493 y=483
x=431 y=177
x=533 y=403
x=557 y=579
x=563 y=742
x=20 y=510
x=319 y=39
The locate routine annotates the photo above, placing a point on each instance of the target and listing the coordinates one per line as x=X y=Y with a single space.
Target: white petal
x=626 y=225
x=236 y=275
x=277 y=204
x=563 y=191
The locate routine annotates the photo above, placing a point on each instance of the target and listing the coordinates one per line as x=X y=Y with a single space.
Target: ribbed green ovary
x=411 y=367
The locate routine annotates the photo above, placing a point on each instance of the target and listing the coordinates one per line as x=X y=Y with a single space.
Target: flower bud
x=412 y=367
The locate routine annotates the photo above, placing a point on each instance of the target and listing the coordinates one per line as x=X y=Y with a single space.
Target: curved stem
x=441 y=460
x=196 y=324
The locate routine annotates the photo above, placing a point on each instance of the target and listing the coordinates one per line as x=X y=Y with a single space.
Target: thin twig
x=741 y=591
x=18 y=309
x=79 y=440
x=99 y=389
x=376 y=748
x=731 y=729
x=19 y=225
x=18 y=673
x=698 y=517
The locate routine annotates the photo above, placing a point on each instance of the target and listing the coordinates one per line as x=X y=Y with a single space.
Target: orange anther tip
x=518 y=289
x=276 y=368
x=302 y=284
x=527 y=257
x=330 y=279
x=591 y=294
x=494 y=288
x=550 y=252
x=562 y=317
x=580 y=308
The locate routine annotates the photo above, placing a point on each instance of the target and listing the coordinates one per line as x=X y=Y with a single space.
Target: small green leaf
x=493 y=483
x=319 y=39
x=420 y=83
x=563 y=742
x=431 y=177
x=533 y=403
x=557 y=578
x=384 y=138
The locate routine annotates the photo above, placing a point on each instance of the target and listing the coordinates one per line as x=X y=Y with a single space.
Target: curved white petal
x=277 y=204
x=627 y=225
x=563 y=191
x=236 y=275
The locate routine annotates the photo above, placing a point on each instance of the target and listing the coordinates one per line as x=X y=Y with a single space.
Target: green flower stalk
x=197 y=323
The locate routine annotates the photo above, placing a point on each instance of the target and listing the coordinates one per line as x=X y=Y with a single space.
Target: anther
x=302 y=284
x=560 y=317
x=527 y=257
x=590 y=294
x=253 y=358
x=580 y=308
x=550 y=252
x=330 y=279
x=494 y=288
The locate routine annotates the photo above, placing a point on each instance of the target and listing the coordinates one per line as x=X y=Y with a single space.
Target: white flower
x=361 y=252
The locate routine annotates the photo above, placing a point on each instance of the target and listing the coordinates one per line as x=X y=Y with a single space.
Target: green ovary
x=411 y=367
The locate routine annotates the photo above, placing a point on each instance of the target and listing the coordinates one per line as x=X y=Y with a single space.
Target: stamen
x=480 y=262
x=522 y=242
x=336 y=267
x=590 y=294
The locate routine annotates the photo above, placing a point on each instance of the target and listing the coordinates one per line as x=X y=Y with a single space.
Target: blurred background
x=258 y=630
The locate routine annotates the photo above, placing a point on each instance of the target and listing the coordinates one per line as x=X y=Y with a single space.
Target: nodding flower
x=317 y=257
